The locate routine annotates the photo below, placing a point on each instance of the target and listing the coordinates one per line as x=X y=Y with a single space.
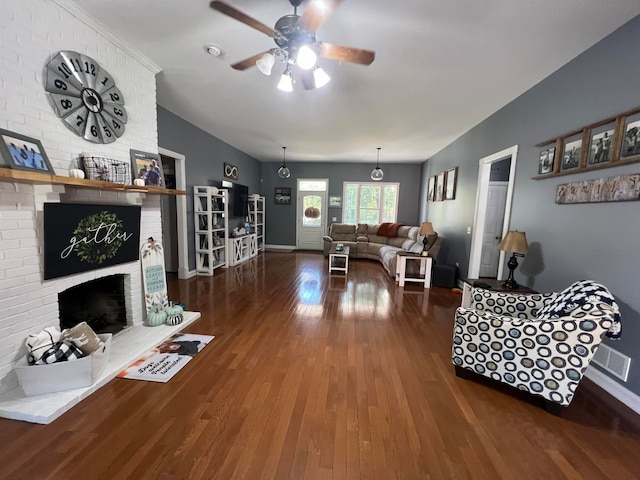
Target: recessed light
x=213 y=49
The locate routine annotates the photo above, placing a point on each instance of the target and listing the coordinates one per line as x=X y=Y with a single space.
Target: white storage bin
x=55 y=377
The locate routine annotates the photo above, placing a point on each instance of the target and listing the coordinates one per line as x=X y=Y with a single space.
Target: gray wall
x=205 y=158
x=568 y=242
x=281 y=219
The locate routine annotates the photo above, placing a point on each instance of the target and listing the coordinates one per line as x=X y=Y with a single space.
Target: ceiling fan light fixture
x=265 y=63
x=320 y=77
x=283 y=171
x=306 y=58
x=286 y=81
x=377 y=174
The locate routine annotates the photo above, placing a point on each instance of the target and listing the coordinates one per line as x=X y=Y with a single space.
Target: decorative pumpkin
x=312 y=212
x=174 y=314
x=138 y=182
x=76 y=173
x=156 y=316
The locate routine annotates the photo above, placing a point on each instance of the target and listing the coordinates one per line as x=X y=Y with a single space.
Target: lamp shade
x=265 y=63
x=426 y=229
x=514 y=241
x=320 y=77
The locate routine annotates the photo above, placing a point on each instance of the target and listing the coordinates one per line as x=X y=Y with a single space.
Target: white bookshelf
x=211 y=219
x=256 y=219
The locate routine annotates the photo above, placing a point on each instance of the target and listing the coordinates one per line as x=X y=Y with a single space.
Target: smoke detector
x=213 y=49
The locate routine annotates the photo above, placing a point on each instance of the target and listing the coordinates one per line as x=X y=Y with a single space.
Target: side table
x=339 y=260
x=424 y=275
x=493 y=285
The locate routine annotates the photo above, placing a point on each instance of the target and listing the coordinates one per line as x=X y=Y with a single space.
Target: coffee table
x=339 y=260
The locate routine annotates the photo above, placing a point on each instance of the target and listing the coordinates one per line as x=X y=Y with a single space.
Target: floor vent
x=612 y=361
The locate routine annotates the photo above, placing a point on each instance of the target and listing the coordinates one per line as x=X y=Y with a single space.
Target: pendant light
x=283 y=171
x=377 y=174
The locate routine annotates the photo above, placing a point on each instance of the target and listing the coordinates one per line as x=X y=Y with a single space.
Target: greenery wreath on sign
x=91 y=245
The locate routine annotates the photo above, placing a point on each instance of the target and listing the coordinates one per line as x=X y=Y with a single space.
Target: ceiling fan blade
x=248 y=62
x=346 y=54
x=316 y=13
x=306 y=77
x=241 y=17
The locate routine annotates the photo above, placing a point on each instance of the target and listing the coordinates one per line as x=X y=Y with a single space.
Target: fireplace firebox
x=101 y=303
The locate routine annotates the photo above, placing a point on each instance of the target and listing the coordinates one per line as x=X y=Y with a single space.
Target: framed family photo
x=450 y=181
x=631 y=139
x=600 y=145
x=431 y=189
x=571 y=154
x=440 y=187
x=547 y=158
x=20 y=152
x=147 y=166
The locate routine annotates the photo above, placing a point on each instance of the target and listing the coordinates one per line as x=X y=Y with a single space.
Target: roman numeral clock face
x=85 y=97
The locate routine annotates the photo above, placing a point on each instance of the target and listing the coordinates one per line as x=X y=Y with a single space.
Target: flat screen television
x=238 y=197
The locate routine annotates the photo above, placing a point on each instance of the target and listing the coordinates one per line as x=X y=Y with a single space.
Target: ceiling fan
x=297 y=47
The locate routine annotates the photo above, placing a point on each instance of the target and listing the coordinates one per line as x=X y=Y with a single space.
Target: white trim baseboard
x=613 y=388
x=280 y=247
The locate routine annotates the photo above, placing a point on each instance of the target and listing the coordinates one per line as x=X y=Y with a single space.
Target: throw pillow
x=578 y=294
x=83 y=337
x=60 y=352
x=38 y=343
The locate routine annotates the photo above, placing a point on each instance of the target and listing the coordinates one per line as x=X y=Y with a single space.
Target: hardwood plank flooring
x=314 y=376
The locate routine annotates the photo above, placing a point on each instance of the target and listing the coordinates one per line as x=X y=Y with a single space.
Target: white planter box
x=55 y=377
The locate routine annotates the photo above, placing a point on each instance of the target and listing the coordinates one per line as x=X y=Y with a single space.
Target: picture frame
x=450 y=181
x=440 y=187
x=600 y=145
x=631 y=137
x=20 y=152
x=431 y=189
x=230 y=171
x=547 y=160
x=282 y=196
x=335 y=201
x=148 y=167
x=571 y=153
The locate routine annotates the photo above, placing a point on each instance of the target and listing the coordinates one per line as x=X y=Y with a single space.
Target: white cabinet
x=242 y=248
x=211 y=219
x=256 y=218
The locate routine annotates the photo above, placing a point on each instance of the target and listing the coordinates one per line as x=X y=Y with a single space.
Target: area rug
x=164 y=361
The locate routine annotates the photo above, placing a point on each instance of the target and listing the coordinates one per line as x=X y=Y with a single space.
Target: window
x=370 y=202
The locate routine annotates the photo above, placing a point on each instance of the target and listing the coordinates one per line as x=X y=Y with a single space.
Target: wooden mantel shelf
x=6 y=174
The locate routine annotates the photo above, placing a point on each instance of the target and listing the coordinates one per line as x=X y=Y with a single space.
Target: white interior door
x=311 y=214
x=477 y=237
x=496 y=201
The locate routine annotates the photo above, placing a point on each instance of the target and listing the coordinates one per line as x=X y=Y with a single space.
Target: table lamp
x=426 y=229
x=516 y=243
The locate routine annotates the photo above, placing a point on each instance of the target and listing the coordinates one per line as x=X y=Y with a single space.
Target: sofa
x=364 y=241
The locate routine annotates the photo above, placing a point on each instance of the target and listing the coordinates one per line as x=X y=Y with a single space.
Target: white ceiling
x=441 y=67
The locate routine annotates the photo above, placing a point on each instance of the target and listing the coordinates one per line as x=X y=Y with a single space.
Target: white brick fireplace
x=31 y=33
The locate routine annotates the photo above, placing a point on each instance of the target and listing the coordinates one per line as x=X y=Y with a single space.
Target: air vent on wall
x=612 y=361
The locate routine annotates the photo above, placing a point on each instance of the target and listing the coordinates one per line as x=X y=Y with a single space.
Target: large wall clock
x=85 y=97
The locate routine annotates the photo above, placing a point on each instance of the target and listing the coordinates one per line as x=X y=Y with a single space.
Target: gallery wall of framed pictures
x=608 y=143
x=442 y=186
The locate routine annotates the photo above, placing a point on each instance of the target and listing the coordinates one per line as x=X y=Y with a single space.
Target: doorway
x=175 y=239
x=480 y=238
x=311 y=213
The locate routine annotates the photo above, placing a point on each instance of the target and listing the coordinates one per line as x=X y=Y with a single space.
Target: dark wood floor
x=318 y=377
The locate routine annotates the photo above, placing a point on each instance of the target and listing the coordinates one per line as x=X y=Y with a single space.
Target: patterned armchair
x=540 y=343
